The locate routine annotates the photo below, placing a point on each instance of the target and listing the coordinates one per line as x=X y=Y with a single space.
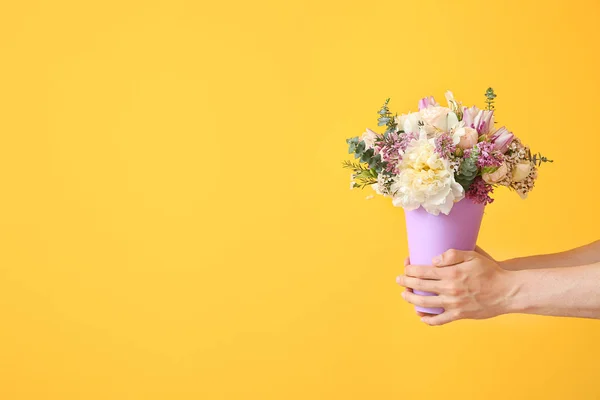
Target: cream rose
x=497 y=175
x=520 y=171
x=438 y=119
x=425 y=179
x=465 y=137
x=435 y=118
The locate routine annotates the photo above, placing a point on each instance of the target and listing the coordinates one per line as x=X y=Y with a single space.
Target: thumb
x=452 y=257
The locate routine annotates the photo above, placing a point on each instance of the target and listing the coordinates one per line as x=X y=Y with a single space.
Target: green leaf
x=488 y=170
x=468 y=170
x=361 y=147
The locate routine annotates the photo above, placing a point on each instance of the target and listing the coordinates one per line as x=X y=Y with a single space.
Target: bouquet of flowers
x=438 y=155
x=441 y=164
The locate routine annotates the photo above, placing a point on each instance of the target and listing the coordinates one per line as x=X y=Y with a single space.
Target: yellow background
x=175 y=223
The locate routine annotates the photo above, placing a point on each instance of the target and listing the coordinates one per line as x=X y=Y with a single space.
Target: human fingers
x=423 y=271
x=453 y=257
x=425 y=285
x=422 y=301
x=440 y=319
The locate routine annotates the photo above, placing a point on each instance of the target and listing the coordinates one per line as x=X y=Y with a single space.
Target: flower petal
x=452 y=120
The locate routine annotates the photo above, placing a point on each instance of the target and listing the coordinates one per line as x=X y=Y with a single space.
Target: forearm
x=583 y=255
x=568 y=292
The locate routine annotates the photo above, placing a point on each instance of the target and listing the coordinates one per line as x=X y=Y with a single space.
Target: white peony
x=425 y=179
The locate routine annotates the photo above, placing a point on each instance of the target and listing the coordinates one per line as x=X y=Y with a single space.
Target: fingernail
x=436 y=260
x=398 y=279
x=403 y=295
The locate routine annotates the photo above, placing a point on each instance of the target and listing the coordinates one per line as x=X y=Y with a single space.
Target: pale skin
x=472 y=285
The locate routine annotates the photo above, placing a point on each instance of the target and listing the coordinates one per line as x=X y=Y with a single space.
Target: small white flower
x=409 y=122
x=449 y=97
x=454 y=105
x=457 y=133
x=452 y=121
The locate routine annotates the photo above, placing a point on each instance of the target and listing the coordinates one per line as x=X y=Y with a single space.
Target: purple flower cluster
x=480 y=191
x=391 y=149
x=487 y=156
x=444 y=146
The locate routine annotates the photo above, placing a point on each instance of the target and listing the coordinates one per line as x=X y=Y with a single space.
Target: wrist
x=516 y=299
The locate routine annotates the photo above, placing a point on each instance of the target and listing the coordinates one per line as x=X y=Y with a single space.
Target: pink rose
x=468 y=137
x=497 y=175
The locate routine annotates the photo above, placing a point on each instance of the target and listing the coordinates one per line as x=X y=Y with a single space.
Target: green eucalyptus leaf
x=362 y=146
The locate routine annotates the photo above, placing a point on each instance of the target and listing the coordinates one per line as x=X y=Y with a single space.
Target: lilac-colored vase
x=431 y=235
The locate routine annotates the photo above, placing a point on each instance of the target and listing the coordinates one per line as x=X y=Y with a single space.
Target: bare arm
x=567 y=292
x=583 y=255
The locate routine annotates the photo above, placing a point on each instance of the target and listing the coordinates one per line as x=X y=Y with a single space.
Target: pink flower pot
x=431 y=235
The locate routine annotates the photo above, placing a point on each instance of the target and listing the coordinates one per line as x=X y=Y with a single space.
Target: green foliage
x=468 y=170
x=352 y=144
x=368 y=156
x=386 y=118
x=538 y=159
x=362 y=183
x=363 y=174
x=490 y=96
x=355 y=166
x=488 y=170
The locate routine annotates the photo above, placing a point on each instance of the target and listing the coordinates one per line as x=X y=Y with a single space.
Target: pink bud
x=501 y=139
x=484 y=121
x=469 y=115
x=427 y=102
